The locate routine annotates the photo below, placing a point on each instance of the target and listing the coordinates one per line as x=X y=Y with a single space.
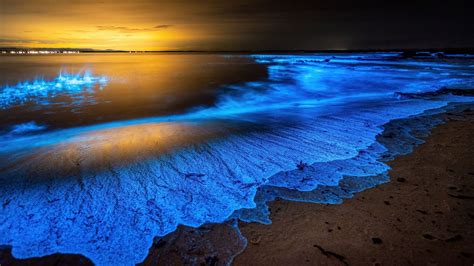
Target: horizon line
x=92 y=50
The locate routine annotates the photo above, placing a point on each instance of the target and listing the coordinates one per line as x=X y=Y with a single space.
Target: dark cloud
x=131 y=30
x=164 y=26
x=343 y=24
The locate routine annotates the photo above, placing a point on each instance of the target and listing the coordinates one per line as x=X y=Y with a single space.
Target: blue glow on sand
x=41 y=91
x=77 y=191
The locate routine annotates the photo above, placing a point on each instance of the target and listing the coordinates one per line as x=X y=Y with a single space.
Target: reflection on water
x=96 y=150
x=137 y=85
x=190 y=139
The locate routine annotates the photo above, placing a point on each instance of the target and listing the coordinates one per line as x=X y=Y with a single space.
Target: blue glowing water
x=105 y=190
x=42 y=91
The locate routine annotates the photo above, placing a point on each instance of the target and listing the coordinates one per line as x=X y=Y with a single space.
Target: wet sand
x=424 y=216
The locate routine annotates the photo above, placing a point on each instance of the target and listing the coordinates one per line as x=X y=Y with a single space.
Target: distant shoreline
x=448 y=51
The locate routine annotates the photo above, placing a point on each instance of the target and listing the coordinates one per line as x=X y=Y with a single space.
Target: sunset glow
x=243 y=25
x=105 y=25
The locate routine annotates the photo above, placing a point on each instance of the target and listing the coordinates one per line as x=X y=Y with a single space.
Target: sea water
x=100 y=153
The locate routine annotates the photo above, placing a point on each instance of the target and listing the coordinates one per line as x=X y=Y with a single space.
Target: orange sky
x=125 y=25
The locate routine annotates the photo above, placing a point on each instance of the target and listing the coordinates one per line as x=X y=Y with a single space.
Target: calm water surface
x=137 y=85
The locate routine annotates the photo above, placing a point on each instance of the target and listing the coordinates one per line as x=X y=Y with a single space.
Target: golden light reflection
x=101 y=149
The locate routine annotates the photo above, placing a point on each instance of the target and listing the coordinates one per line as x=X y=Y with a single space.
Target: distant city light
x=40 y=52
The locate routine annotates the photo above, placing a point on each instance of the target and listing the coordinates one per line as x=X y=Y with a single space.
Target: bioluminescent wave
x=105 y=190
x=42 y=91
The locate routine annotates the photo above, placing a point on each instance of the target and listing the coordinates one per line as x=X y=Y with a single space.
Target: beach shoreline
x=424 y=215
x=380 y=225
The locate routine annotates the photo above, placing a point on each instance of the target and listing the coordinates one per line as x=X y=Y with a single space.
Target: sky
x=235 y=25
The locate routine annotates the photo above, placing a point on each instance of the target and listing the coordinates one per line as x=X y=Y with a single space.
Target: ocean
x=100 y=153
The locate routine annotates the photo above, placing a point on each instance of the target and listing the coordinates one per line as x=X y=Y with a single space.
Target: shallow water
x=121 y=148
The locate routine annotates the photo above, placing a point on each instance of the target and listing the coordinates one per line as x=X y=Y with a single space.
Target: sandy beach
x=424 y=216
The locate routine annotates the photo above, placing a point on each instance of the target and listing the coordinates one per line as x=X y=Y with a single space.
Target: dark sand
x=425 y=215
